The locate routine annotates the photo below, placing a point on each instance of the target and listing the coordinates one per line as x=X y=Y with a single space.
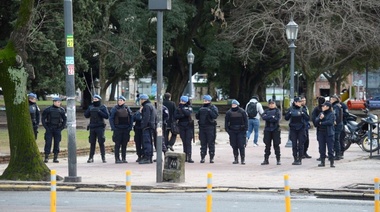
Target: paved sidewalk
x=356 y=168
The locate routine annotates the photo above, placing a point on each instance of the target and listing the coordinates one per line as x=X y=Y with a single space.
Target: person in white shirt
x=254 y=119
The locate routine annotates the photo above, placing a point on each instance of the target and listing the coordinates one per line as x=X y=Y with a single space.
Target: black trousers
x=186 y=134
x=97 y=134
x=207 y=135
x=121 y=138
x=237 y=142
x=270 y=136
x=298 y=139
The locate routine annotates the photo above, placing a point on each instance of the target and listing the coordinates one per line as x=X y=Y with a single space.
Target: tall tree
x=25 y=162
x=330 y=32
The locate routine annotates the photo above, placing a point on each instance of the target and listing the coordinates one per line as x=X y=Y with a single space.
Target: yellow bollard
x=53 y=191
x=287 y=193
x=377 y=201
x=209 y=193
x=128 y=196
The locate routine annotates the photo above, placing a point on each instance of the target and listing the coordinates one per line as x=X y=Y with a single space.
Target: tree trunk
x=25 y=162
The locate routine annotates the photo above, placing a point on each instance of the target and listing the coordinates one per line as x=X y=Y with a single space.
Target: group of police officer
x=327 y=117
x=54 y=121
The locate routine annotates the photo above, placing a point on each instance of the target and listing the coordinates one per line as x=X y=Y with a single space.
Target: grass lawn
x=81 y=139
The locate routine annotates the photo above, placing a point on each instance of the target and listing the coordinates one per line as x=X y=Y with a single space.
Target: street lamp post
x=291 y=35
x=190 y=60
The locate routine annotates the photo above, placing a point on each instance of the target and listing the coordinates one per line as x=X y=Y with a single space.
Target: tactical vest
x=296 y=116
x=95 y=118
x=122 y=116
x=33 y=110
x=236 y=118
x=55 y=118
x=204 y=117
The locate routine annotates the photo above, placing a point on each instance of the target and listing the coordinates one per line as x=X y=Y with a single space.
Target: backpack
x=165 y=113
x=252 y=110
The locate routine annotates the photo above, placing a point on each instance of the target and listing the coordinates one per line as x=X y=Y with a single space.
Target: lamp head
x=291 y=30
x=190 y=57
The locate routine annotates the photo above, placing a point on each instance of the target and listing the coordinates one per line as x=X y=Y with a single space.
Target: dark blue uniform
x=34 y=111
x=272 y=132
x=236 y=125
x=338 y=111
x=138 y=135
x=207 y=129
x=121 y=124
x=298 y=119
x=169 y=141
x=148 y=122
x=54 y=120
x=343 y=133
x=97 y=113
x=325 y=134
x=183 y=115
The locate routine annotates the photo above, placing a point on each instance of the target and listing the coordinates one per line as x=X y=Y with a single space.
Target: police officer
x=34 y=111
x=307 y=140
x=316 y=111
x=338 y=111
x=121 y=124
x=183 y=115
x=325 y=133
x=54 y=120
x=298 y=118
x=272 y=132
x=169 y=141
x=207 y=127
x=97 y=112
x=236 y=125
x=343 y=133
x=138 y=134
x=148 y=120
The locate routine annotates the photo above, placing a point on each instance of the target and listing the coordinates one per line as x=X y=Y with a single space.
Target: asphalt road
x=184 y=202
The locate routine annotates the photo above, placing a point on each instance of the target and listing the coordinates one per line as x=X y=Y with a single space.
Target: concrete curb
x=319 y=193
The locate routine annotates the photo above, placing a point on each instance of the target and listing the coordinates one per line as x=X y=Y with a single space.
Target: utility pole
x=160 y=6
x=70 y=93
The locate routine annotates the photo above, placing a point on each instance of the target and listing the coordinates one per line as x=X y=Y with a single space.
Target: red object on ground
x=355 y=104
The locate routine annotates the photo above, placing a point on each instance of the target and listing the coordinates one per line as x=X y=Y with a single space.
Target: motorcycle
x=358 y=132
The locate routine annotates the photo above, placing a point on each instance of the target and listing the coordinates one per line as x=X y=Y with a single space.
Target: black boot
x=332 y=163
x=186 y=157
x=90 y=159
x=211 y=158
x=242 y=159
x=104 y=159
x=46 y=158
x=55 y=160
x=236 y=160
x=138 y=158
x=295 y=161
x=322 y=164
x=124 y=160
x=145 y=160
x=117 y=159
x=266 y=161
x=203 y=158
x=189 y=160
x=278 y=160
